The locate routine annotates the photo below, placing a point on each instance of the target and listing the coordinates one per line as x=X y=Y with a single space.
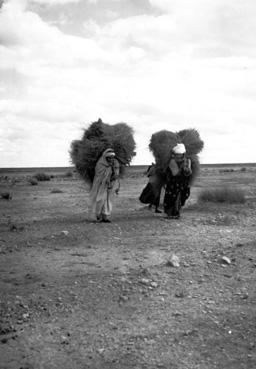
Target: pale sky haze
x=154 y=64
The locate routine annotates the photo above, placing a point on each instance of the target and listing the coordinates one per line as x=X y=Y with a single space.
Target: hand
x=117 y=191
x=187 y=171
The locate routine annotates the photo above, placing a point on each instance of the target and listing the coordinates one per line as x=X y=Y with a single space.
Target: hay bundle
x=162 y=143
x=192 y=141
x=96 y=139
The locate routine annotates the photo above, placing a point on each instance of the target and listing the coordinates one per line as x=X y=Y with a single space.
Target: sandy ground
x=78 y=294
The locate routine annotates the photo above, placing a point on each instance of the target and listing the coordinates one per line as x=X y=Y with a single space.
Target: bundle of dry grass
x=96 y=139
x=162 y=143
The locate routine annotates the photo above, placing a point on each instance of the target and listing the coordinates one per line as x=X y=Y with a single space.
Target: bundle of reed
x=96 y=139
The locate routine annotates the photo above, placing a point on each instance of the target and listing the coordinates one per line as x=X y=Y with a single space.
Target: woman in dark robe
x=152 y=192
x=178 y=176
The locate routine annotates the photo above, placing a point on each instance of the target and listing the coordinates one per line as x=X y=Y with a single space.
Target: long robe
x=103 y=185
x=152 y=191
x=178 y=186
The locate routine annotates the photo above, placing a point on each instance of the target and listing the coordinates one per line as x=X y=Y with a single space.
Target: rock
x=14 y=227
x=123 y=298
x=65 y=232
x=145 y=281
x=245 y=296
x=174 y=261
x=64 y=340
x=177 y=313
x=225 y=260
x=154 y=284
x=6 y=196
x=180 y=294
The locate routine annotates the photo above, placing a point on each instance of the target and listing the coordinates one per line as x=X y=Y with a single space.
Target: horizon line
x=132 y=165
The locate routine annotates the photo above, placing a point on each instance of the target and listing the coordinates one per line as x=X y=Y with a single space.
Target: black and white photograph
x=127 y=184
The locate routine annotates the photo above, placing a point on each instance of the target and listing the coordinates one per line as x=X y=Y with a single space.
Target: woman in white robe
x=105 y=179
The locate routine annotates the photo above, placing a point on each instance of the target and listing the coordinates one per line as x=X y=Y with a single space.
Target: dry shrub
x=221 y=220
x=33 y=181
x=192 y=141
x=56 y=190
x=223 y=195
x=42 y=177
x=6 y=196
x=226 y=170
x=161 y=145
x=69 y=174
x=96 y=139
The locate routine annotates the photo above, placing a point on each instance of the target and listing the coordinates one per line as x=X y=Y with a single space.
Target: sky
x=153 y=64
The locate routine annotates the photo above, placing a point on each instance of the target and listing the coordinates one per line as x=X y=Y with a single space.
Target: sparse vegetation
x=33 y=181
x=6 y=196
x=223 y=194
x=226 y=170
x=42 y=177
x=69 y=174
x=56 y=190
x=221 y=220
x=108 y=274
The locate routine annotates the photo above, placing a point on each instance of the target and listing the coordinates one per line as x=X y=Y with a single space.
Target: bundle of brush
x=96 y=139
x=162 y=143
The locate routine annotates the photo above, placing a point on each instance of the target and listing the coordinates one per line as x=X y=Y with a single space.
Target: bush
x=42 y=177
x=33 y=181
x=56 y=190
x=226 y=170
x=6 y=196
x=224 y=194
x=69 y=174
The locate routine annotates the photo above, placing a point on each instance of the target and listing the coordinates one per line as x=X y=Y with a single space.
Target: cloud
x=54 y=2
x=170 y=71
x=20 y=27
x=225 y=28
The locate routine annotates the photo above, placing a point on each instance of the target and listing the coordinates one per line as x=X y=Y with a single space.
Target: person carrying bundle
x=100 y=157
x=178 y=164
x=104 y=182
x=152 y=192
x=178 y=176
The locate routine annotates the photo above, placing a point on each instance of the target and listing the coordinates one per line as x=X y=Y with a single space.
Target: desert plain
x=79 y=294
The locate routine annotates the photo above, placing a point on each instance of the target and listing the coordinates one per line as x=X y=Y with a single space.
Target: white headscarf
x=179 y=149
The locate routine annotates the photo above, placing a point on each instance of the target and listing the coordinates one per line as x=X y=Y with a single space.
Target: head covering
x=109 y=152
x=179 y=149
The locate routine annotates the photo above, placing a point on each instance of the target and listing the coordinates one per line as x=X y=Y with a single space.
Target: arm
x=174 y=167
x=187 y=167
